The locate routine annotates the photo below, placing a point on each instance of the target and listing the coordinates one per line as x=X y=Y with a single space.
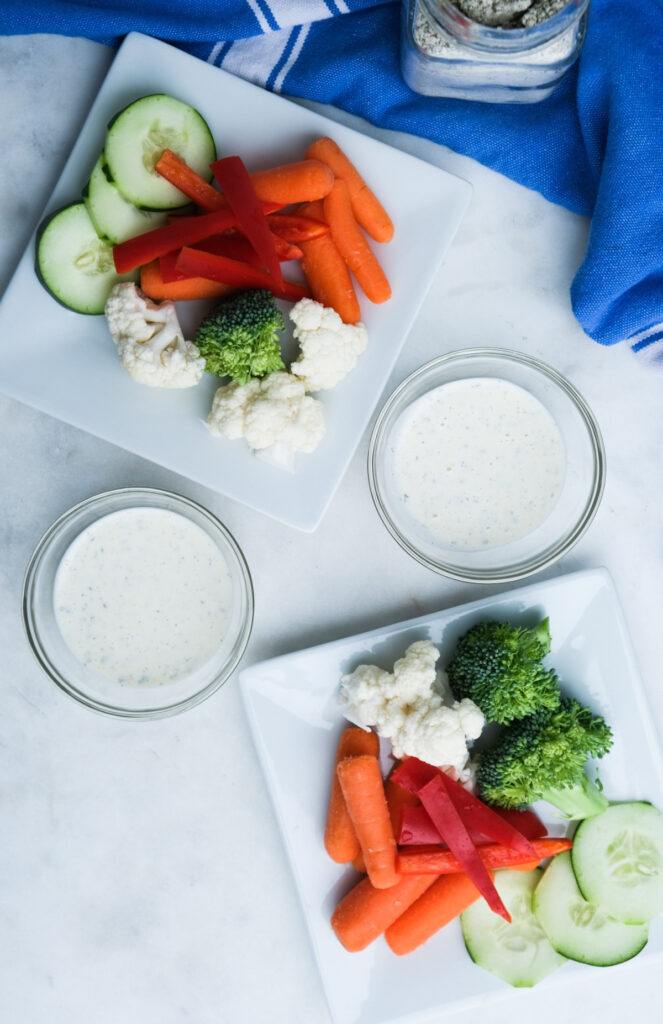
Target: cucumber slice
x=520 y=952
x=114 y=218
x=580 y=930
x=73 y=263
x=617 y=859
x=136 y=139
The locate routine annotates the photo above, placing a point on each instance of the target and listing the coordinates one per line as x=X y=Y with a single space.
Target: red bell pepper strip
x=431 y=860
x=416 y=828
x=233 y=245
x=238 y=247
x=413 y=774
x=235 y=182
x=228 y=271
x=483 y=818
x=441 y=808
x=185 y=231
x=171 y=167
x=296 y=228
x=526 y=822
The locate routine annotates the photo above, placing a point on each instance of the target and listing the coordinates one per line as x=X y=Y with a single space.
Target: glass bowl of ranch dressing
x=486 y=465
x=138 y=603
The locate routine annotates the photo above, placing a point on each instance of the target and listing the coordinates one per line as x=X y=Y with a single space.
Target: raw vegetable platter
x=291 y=706
x=65 y=363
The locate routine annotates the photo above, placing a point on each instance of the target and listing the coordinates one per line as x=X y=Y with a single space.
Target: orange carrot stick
x=341 y=842
x=363 y=789
x=365 y=912
x=352 y=244
x=367 y=209
x=446 y=899
x=422 y=860
x=327 y=273
x=154 y=286
x=299 y=182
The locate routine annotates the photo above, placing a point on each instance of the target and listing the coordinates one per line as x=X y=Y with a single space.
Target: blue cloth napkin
x=595 y=146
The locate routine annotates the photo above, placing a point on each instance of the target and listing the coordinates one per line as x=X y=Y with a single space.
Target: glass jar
x=444 y=53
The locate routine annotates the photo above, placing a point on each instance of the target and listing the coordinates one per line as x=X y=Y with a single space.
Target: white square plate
x=296 y=724
x=65 y=363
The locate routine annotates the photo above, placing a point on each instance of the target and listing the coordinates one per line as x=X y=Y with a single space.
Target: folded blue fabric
x=594 y=146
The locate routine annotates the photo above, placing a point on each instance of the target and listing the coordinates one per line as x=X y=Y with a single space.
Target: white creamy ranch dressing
x=142 y=596
x=479 y=462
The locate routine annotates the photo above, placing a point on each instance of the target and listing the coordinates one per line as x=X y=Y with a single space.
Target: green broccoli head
x=239 y=338
x=543 y=757
x=498 y=666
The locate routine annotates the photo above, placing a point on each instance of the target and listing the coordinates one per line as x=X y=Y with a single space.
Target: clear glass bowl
x=93 y=689
x=581 y=490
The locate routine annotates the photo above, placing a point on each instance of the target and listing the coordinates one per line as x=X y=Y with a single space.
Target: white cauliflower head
x=329 y=349
x=274 y=414
x=362 y=695
x=149 y=340
x=407 y=707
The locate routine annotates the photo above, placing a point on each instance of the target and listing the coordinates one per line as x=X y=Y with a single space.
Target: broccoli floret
x=543 y=757
x=239 y=338
x=498 y=666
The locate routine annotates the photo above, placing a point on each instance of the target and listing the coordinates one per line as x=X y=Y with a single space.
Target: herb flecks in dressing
x=479 y=462
x=142 y=596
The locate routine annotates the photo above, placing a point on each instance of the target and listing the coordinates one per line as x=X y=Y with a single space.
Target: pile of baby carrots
x=241 y=233
x=426 y=845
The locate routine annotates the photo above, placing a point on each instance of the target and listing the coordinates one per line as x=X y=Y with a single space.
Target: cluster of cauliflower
x=409 y=706
x=275 y=414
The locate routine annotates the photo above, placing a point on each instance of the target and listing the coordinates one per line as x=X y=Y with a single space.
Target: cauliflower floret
x=227 y=416
x=361 y=694
x=407 y=707
x=471 y=717
x=274 y=414
x=414 y=673
x=329 y=349
x=149 y=340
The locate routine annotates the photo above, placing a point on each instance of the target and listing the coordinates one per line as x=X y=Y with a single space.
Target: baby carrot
x=327 y=273
x=154 y=286
x=300 y=182
x=367 y=209
x=363 y=789
x=341 y=842
x=423 y=859
x=365 y=912
x=447 y=898
x=352 y=244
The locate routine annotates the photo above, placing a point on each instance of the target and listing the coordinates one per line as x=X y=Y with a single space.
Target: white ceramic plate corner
x=61 y=362
x=295 y=723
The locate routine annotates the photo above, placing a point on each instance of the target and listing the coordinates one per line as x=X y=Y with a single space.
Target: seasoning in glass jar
x=495 y=51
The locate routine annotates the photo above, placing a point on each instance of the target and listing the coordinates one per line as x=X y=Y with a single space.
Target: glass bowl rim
x=536 y=563
x=41 y=550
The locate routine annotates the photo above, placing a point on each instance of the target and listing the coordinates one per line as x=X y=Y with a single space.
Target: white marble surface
x=142 y=878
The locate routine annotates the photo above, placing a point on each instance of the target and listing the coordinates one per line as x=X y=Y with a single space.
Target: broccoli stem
x=583 y=800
